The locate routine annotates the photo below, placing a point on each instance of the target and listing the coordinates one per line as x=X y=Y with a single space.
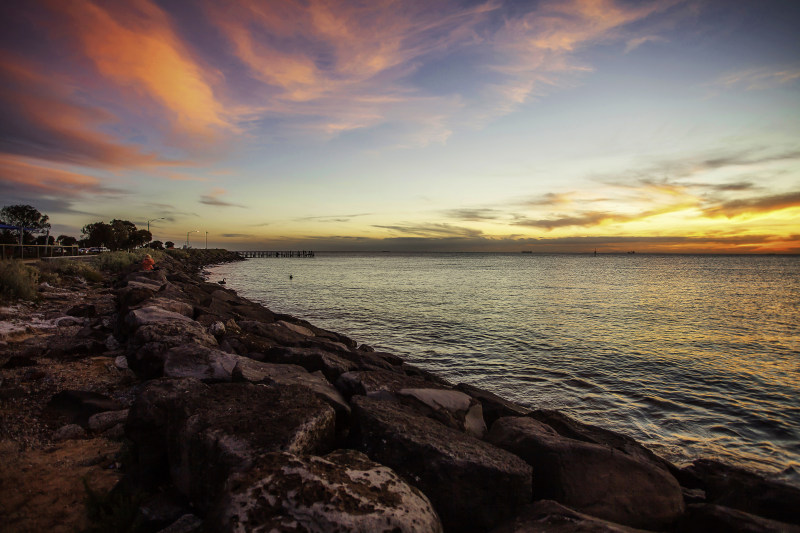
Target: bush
x=116 y=262
x=18 y=281
x=51 y=271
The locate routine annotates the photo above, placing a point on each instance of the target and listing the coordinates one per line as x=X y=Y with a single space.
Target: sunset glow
x=553 y=126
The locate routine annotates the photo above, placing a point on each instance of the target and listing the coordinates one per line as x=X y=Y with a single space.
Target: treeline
x=33 y=227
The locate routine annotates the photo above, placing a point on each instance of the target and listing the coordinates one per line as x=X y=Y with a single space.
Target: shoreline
x=296 y=406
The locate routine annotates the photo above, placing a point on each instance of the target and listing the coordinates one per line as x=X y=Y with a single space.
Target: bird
x=222 y=282
x=291 y=277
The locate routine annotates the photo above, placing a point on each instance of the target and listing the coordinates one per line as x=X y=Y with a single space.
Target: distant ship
x=527 y=251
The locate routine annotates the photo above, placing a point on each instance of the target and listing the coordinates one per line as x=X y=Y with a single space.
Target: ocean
x=692 y=355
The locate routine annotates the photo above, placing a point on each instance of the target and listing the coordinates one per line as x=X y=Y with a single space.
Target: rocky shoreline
x=209 y=412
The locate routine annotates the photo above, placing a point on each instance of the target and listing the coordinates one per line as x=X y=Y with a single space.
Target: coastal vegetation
x=17 y=281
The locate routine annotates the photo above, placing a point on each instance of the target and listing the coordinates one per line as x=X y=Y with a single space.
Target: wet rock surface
x=239 y=419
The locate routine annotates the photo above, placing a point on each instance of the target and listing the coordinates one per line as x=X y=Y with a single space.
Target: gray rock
x=313 y=359
x=548 y=516
x=737 y=488
x=257 y=372
x=344 y=491
x=173 y=306
x=67 y=321
x=69 y=432
x=452 y=408
x=152 y=315
x=363 y=382
x=100 y=422
x=121 y=362
x=113 y=344
x=201 y=434
x=701 y=518
x=187 y=523
x=592 y=478
x=296 y=328
x=472 y=484
x=494 y=406
x=199 y=362
x=150 y=342
x=217 y=329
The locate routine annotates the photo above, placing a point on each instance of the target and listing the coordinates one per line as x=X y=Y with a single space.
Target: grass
x=116 y=262
x=52 y=271
x=18 y=281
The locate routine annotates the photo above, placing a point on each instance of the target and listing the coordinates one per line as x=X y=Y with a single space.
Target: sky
x=439 y=125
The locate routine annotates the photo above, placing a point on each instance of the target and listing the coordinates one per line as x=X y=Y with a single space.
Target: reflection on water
x=692 y=355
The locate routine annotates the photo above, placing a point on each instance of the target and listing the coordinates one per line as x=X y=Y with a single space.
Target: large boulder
x=701 y=518
x=203 y=433
x=150 y=343
x=737 y=488
x=473 y=485
x=592 y=478
x=312 y=359
x=199 y=362
x=363 y=382
x=548 y=516
x=494 y=406
x=451 y=408
x=257 y=372
x=343 y=491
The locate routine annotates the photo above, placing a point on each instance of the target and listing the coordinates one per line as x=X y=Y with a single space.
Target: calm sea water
x=691 y=355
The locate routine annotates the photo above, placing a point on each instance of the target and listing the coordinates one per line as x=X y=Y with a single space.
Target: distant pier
x=272 y=253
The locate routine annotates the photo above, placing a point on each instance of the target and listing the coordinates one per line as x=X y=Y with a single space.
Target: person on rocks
x=148 y=262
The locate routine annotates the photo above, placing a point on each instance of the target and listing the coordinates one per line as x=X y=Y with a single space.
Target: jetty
x=272 y=253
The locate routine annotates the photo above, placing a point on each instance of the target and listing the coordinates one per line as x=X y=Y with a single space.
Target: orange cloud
x=42 y=120
x=25 y=174
x=134 y=45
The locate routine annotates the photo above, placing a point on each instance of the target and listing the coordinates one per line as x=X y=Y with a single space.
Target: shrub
x=18 y=281
x=116 y=262
x=51 y=270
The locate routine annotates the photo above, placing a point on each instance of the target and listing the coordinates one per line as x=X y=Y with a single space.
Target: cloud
x=475 y=214
x=236 y=235
x=42 y=119
x=432 y=230
x=135 y=46
x=757 y=79
x=212 y=198
x=635 y=43
x=38 y=179
x=751 y=206
x=333 y=218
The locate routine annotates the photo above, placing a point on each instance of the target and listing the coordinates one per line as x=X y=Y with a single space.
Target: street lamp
x=206 y=240
x=187 y=236
x=152 y=219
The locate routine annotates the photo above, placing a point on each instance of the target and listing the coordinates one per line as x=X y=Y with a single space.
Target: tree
x=157 y=245
x=45 y=239
x=123 y=230
x=97 y=234
x=27 y=218
x=66 y=240
x=169 y=245
x=138 y=238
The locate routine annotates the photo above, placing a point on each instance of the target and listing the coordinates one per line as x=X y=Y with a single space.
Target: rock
x=701 y=518
x=100 y=422
x=548 y=516
x=592 y=478
x=201 y=434
x=116 y=432
x=363 y=382
x=83 y=310
x=199 y=362
x=187 y=523
x=494 y=406
x=297 y=329
x=313 y=359
x=571 y=428
x=344 y=491
x=152 y=315
x=67 y=321
x=451 y=408
x=217 y=329
x=174 y=306
x=257 y=372
x=472 y=484
x=121 y=362
x=78 y=406
x=69 y=432
x=737 y=488
x=112 y=344
x=150 y=342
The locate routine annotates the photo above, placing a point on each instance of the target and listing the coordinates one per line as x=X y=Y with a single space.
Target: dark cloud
x=209 y=199
x=474 y=214
x=432 y=230
x=582 y=219
x=761 y=204
x=236 y=235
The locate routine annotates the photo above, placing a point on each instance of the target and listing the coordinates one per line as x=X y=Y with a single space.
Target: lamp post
x=187 y=236
x=206 y=240
x=152 y=219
